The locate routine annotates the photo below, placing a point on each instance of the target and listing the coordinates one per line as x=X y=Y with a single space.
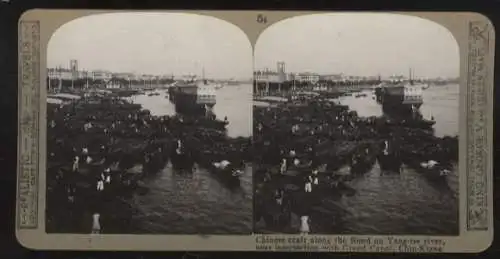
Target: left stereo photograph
x=148 y=126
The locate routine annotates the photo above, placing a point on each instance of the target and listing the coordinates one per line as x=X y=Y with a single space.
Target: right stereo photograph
x=355 y=119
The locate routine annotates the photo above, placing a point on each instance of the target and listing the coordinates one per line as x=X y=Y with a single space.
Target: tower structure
x=281 y=71
x=73 y=66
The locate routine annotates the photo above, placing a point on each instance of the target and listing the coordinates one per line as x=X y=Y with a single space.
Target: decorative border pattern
x=477 y=121
x=29 y=118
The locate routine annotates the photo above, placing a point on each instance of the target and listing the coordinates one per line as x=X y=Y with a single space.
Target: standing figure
x=76 y=162
x=283 y=167
x=314 y=177
x=96 y=225
x=308 y=185
x=304 y=225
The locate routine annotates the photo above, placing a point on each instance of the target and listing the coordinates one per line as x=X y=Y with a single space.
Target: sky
x=359 y=44
x=153 y=43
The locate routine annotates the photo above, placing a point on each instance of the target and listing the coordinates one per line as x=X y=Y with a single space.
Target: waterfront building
x=102 y=75
x=332 y=77
x=124 y=76
x=266 y=76
x=60 y=73
x=307 y=77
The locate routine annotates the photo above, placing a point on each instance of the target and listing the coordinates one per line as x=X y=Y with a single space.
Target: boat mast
x=203 y=75
x=410 y=77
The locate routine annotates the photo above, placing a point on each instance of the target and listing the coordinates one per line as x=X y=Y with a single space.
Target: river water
x=403 y=203
x=440 y=102
x=198 y=203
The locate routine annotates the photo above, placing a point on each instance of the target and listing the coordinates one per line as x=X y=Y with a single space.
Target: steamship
x=193 y=96
x=400 y=96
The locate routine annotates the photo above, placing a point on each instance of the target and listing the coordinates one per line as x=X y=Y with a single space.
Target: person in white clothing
x=107 y=174
x=308 y=186
x=179 y=147
x=96 y=225
x=304 y=225
x=87 y=126
x=278 y=196
x=296 y=162
x=283 y=166
x=314 y=177
x=386 y=147
x=75 y=163
x=100 y=185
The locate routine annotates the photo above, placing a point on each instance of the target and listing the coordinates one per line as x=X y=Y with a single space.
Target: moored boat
x=434 y=171
x=412 y=123
x=400 y=96
x=227 y=172
x=181 y=158
x=389 y=159
x=193 y=96
x=359 y=95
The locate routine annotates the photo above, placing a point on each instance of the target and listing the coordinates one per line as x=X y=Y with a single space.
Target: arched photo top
x=360 y=44
x=153 y=43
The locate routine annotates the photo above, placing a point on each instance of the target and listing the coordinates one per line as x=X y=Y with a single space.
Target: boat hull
x=432 y=174
x=390 y=163
x=399 y=99
x=190 y=100
x=182 y=162
x=226 y=176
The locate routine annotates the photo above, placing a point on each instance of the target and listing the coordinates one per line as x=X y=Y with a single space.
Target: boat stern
x=413 y=95
x=206 y=95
